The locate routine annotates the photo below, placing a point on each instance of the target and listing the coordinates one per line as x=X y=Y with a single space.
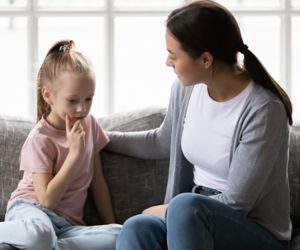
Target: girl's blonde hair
x=60 y=58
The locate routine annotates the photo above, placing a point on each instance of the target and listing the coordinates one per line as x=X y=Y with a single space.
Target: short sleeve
x=37 y=155
x=100 y=138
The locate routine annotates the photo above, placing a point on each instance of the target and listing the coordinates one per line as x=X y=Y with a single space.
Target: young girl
x=60 y=160
x=226 y=134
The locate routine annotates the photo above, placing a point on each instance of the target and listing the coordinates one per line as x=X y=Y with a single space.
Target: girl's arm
x=50 y=189
x=100 y=194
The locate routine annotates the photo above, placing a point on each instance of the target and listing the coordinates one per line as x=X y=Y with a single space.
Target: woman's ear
x=206 y=59
x=46 y=93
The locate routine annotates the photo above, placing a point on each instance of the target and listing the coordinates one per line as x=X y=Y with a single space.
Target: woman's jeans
x=196 y=222
x=29 y=226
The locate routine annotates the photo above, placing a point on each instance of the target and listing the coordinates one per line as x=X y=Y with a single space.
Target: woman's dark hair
x=206 y=26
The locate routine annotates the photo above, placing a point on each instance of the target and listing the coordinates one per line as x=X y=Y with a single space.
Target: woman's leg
x=143 y=232
x=27 y=227
x=197 y=222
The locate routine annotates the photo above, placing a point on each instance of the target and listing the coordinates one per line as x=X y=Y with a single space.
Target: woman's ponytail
x=261 y=76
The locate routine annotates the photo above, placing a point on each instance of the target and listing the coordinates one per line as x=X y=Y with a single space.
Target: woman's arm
x=101 y=195
x=259 y=161
x=151 y=144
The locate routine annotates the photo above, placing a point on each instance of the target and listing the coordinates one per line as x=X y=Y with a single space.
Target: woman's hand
x=75 y=136
x=158 y=210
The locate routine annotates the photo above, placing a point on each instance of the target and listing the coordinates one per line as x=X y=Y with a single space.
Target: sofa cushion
x=294 y=174
x=13 y=132
x=135 y=184
x=137 y=120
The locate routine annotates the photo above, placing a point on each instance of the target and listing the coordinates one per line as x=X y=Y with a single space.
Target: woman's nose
x=169 y=62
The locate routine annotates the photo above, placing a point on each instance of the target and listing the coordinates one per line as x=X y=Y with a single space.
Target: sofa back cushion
x=13 y=132
x=125 y=192
x=134 y=183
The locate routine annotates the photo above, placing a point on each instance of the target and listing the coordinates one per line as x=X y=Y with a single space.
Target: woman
x=226 y=134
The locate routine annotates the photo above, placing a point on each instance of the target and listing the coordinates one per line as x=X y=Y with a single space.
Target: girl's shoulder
x=92 y=125
x=39 y=130
x=43 y=134
x=90 y=121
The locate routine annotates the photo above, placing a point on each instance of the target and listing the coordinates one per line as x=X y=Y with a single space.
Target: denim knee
x=184 y=207
x=187 y=222
x=142 y=232
x=141 y=224
x=41 y=235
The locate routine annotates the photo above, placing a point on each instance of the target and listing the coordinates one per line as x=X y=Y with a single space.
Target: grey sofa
x=134 y=183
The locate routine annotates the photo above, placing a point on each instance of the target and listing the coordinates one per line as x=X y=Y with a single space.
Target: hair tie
x=64 y=48
x=244 y=48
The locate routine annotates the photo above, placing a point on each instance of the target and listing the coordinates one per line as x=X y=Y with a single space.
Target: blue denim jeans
x=29 y=226
x=196 y=222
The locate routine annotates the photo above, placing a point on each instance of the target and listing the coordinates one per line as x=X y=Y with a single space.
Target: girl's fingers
x=77 y=125
x=68 y=126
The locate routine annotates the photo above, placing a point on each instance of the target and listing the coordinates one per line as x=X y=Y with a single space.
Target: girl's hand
x=75 y=136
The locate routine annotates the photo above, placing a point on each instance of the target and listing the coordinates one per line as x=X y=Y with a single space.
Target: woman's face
x=189 y=70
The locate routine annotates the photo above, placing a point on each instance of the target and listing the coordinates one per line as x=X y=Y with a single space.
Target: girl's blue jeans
x=196 y=222
x=29 y=226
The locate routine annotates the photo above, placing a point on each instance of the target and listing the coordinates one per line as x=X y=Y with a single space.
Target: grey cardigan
x=257 y=181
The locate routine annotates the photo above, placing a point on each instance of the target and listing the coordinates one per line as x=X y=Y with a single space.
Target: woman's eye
x=172 y=58
x=89 y=99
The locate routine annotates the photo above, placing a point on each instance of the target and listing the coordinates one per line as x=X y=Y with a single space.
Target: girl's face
x=71 y=95
x=189 y=70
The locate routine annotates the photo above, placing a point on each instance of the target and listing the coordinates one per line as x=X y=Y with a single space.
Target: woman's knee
x=182 y=201
x=184 y=207
x=142 y=232
x=142 y=224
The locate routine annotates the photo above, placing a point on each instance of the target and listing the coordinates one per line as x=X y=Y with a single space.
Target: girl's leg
x=27 y=227
x=143 y=232
x=197 y=222
x=102 y=237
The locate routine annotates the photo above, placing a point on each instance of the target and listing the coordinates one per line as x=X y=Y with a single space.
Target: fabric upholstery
x=294 y=174
x=13 y=132
x=134 y=183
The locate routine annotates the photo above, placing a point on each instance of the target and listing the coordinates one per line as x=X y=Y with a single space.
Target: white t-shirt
x=207 y=135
